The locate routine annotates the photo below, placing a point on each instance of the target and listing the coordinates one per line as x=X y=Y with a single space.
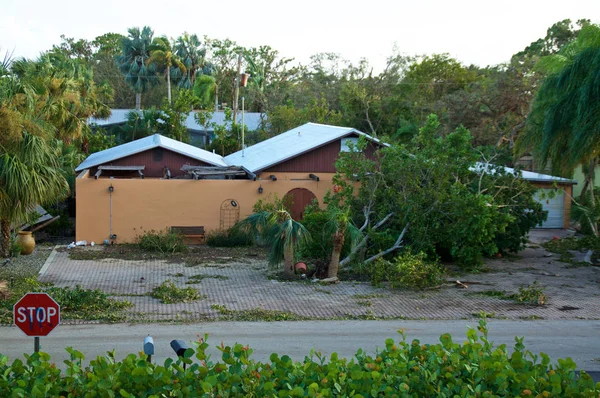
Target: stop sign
x=36 y=314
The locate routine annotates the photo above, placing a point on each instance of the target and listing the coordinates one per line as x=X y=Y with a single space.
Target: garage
x=554 y=193
x=553 y=201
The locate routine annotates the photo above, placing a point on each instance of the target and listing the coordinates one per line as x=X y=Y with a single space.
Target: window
x=157 y=155
x=346 y=143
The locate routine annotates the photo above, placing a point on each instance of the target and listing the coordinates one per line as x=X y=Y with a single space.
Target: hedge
x=402 y=369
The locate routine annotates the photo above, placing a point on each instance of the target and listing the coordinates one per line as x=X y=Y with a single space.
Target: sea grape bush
x=402 y=369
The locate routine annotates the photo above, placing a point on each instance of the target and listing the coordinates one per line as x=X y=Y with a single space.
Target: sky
x=474 y=32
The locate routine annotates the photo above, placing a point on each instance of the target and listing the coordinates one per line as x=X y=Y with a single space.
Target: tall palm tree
x=189 y=49
x=65 y=91
x=30 y=174
x=162 y=55
x=564 y=124
x=133 y=62
x=281 y=232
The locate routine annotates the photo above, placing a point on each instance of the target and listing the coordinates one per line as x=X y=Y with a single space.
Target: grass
x=168 y=293
x=531 y=294
x=368 y=296
x=75 y=303
x=565 y=246
x=199 y=277
x=255 y=314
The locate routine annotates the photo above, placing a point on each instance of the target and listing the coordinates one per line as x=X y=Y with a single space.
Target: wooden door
x=299 y=198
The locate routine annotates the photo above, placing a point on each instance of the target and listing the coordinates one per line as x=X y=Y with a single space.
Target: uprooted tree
x=432 y=195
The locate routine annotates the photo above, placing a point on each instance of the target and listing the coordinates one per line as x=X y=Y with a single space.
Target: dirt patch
x=196 y=255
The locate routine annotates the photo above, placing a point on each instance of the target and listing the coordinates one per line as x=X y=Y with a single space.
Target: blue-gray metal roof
x=252 y=120
x=288 y=145
x=526 y=175
x=144 y=144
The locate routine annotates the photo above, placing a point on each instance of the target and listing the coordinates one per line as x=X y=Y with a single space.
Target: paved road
x=577 y=339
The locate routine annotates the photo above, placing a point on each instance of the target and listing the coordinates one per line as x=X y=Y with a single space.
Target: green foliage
x=63 y=226
x=407 y=270
x=255 y=315
x=168 y=293
x=79 y=303
x=450 y=205
x=472 y=369
x=531 y=294
x=319 y=247
x=286 y=117
x=517 y=207
x=100 y=140
x=15 y=247
x=272 y=203
x=164 y=242
x=232 y=237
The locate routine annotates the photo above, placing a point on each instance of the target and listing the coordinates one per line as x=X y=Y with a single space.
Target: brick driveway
x=573 y=293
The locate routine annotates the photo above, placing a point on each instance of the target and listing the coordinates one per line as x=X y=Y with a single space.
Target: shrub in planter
x=163 y=242
x=232 y=237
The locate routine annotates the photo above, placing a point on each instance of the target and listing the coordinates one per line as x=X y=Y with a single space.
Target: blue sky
x=474 y=32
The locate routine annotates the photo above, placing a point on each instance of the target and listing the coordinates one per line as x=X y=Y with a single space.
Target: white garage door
x=553 y=201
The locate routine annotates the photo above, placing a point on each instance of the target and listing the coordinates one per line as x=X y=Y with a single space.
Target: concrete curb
x=48 y=262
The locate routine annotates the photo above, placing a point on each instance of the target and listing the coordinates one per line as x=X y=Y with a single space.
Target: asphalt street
x=578 y=339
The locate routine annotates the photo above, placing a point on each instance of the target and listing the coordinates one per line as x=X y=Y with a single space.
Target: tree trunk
x=169 y=85
x=338 y=243
x=138 y=101
x=288 y=262
x=5 y=227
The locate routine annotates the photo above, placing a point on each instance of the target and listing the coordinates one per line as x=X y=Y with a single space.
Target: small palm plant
x=281 y=232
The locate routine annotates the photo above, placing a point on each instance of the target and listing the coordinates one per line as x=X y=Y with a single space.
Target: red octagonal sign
x=36 y=314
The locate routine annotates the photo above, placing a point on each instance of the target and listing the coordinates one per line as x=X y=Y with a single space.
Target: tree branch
x=364 y=241
x=397 y=245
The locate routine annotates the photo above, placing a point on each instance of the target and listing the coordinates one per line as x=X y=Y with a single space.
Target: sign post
x=36 y=314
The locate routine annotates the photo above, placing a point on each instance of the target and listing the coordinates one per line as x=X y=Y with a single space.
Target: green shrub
x=164 y=242
x=168 y=293
x=232 y=237
x=532 y=294
x=80 y=303
x=405 y=369
x=15 y=247
x=408 y=270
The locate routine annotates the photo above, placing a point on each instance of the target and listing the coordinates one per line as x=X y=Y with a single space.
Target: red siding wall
x=320 y=160
x=154 y=167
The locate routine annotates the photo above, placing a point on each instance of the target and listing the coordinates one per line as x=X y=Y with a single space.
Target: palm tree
x=564 y=124
x=30 y=174
x=65 y=91
x=341 y=226
x=189 y=49
x=281 y=232
x=162 y=55
x=133 y=62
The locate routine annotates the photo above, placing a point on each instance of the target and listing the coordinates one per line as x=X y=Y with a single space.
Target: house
x=155 y=182
x=200 y=136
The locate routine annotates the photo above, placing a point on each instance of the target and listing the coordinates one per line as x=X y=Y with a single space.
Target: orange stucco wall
x=568 y=188
x=141 y=205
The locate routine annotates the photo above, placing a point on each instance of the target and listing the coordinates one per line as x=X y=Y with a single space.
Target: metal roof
x=252 y=120
x=288 y=145
x=144 y=144
x=526 y=175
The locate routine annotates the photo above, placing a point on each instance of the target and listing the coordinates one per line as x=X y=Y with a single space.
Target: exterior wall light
x=260 y=189
x=111 y=189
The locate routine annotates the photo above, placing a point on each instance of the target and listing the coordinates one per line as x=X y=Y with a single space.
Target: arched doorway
x=230 y=213
x=299 y=198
